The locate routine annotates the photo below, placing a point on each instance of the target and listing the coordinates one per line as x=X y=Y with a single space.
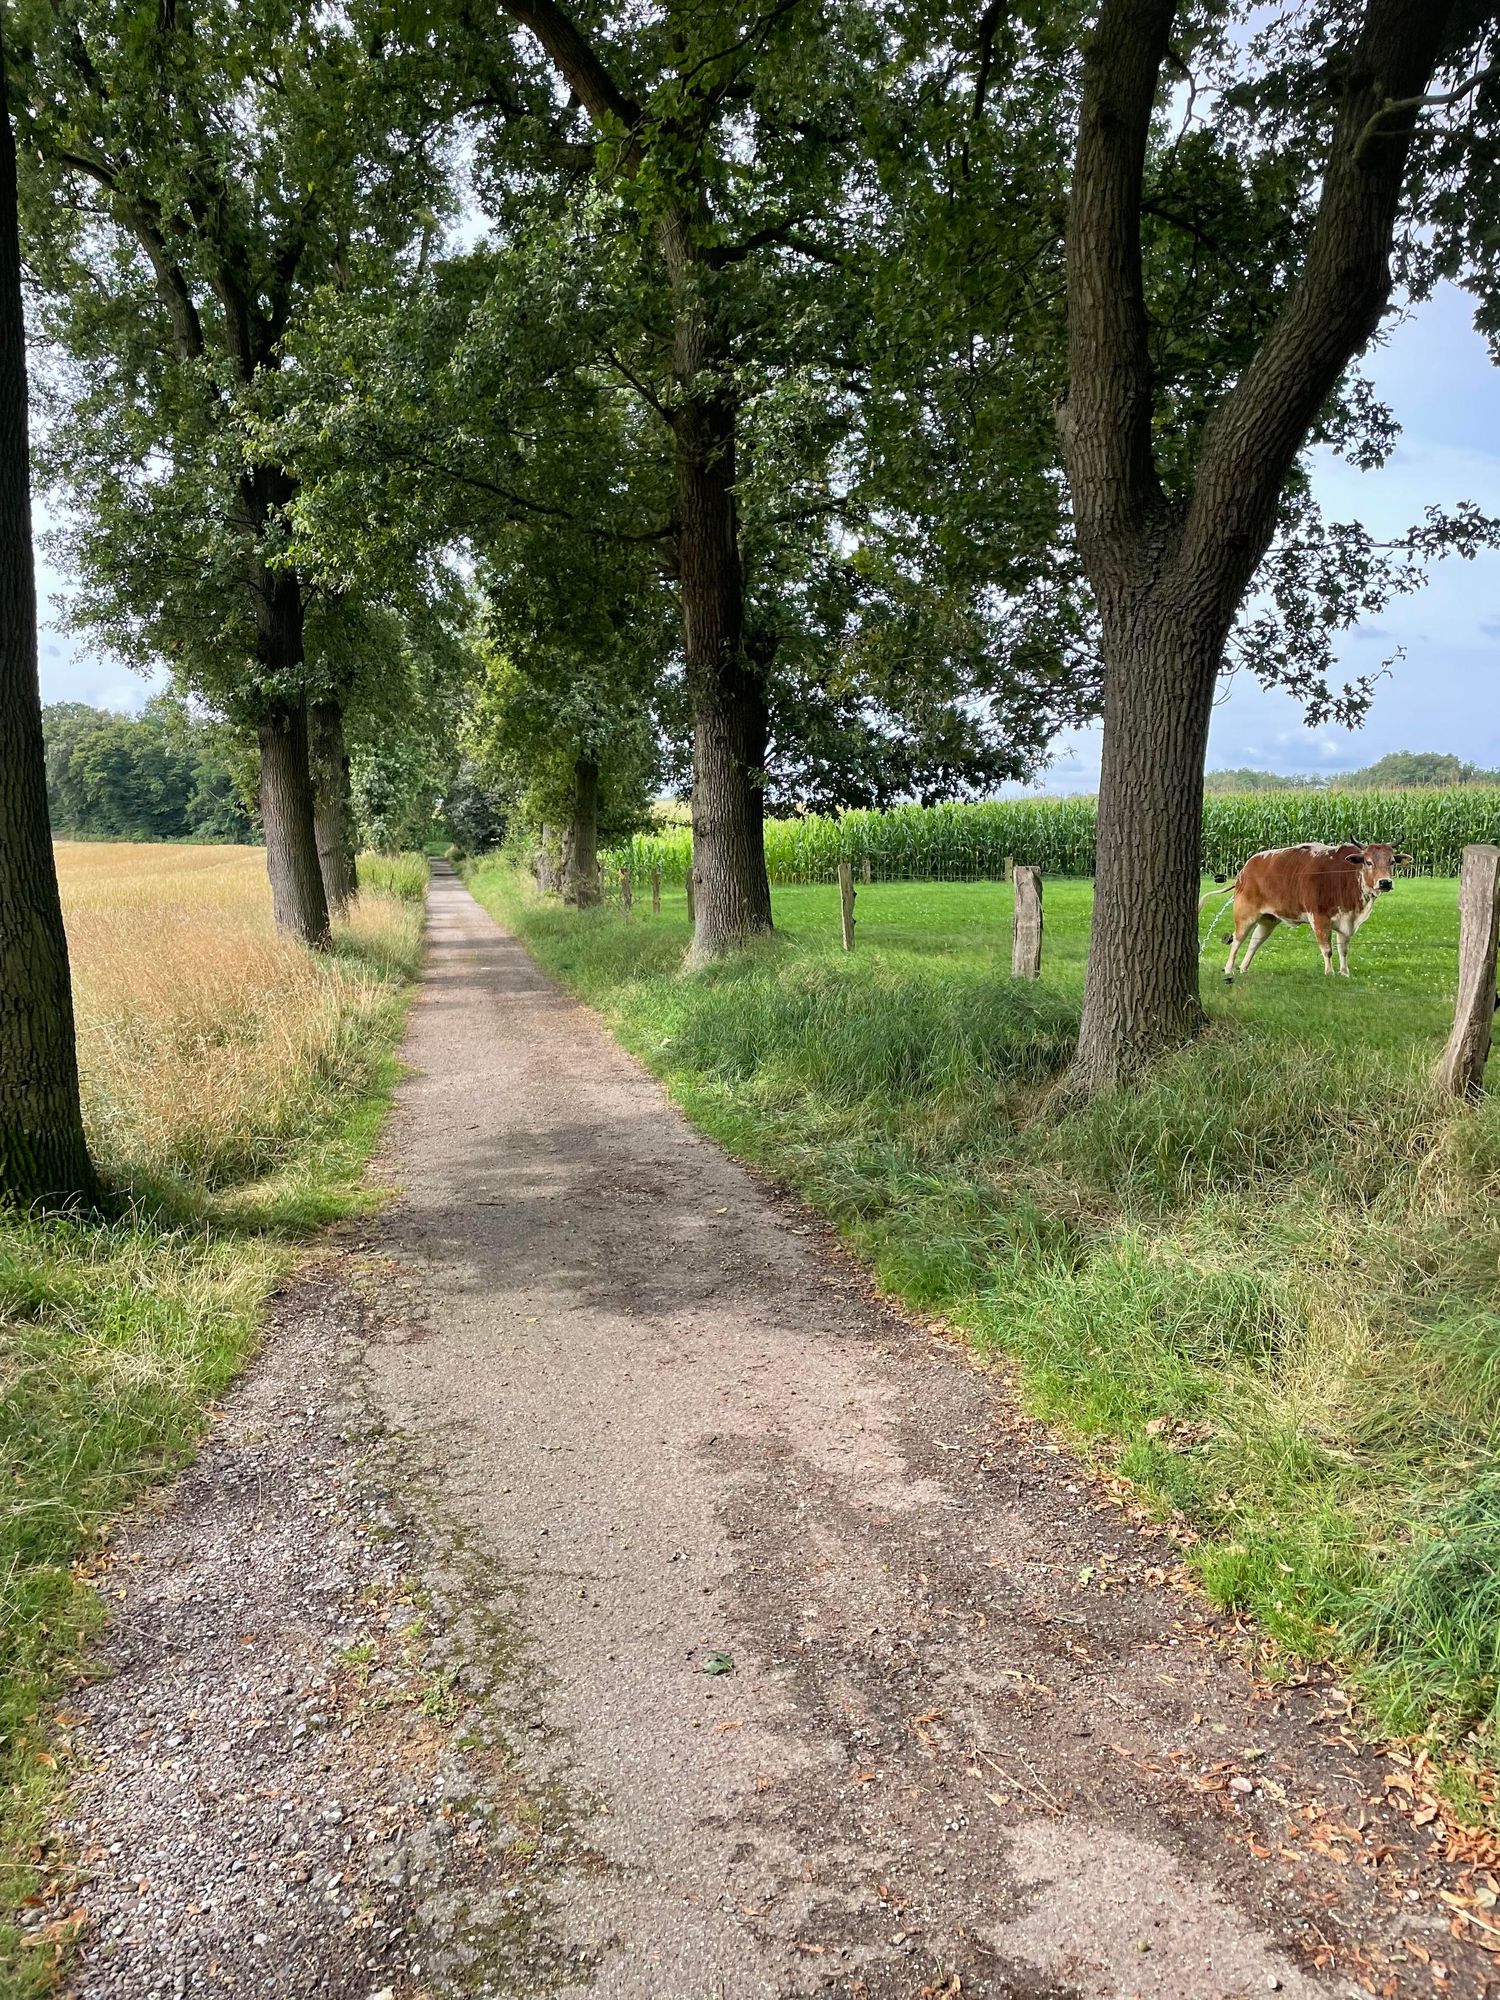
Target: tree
x=1178 y=485
x=1417 y=767
x=1242 y=779
x=43 y=1153
x=713 y=266
x=165 y=774
x=900 y=651
x=196 y=175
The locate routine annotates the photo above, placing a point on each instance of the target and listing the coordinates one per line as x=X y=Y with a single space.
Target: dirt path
x=973 y=1741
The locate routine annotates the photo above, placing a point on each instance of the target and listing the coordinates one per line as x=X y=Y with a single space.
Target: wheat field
x=206 y=1041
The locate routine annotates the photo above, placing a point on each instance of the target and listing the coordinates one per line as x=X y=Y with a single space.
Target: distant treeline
x=1397 y=772
x=164 y=774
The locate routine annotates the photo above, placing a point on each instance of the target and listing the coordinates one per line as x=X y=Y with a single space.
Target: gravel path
x=594 y=1592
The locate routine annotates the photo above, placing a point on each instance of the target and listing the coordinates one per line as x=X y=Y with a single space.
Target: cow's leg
x=1322 y=931
x=1341 y=946
x=1262 y=930
x=1243 y=921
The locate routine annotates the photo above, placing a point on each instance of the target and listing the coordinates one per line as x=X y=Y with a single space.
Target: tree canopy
x=789 y=406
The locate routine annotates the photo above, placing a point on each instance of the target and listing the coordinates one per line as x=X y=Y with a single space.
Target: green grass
x=1266 y=1286
x=403 y=875
x=117 y=1336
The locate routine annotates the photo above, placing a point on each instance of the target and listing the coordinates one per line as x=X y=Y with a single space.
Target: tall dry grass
x=208 y=1043
x=233 y=1085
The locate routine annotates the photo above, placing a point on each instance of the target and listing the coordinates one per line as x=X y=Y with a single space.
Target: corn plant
x=969 y=843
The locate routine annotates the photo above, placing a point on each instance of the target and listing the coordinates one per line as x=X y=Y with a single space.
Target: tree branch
x=1105 y=420
x=577 y=61
x=1394 y=106
x=1252 y=440
x=171 y=285
x=524 y=504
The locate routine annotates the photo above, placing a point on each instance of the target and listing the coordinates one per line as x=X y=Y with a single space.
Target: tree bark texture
x=44 y=1159
x=1168 y=574
x=286 y=793
x=581 y=884
x=333 y=808
x=286 y=810
x=730 y=727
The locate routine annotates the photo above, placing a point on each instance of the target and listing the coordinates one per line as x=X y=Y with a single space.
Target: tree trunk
x=286 y=786
x=1169 y=572
x=1141 y=994
x=333 y=813
x=732 y=903
x=43 y=1156
x=581 y=888
x=733 y=899
x=286 y=810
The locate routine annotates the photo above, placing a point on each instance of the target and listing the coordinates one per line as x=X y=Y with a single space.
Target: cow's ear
x=1403 y=860
x=1357 y=858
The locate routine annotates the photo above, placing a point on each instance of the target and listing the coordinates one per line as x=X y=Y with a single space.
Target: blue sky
x=1436 y=374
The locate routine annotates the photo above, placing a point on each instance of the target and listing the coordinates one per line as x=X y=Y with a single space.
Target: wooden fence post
x=625 y=892
x=864 y=871
x=1462 y=1068
x=846 y=903
x=656 y=892
x=1026 y=924
x=692 y=919
x=1008 y=868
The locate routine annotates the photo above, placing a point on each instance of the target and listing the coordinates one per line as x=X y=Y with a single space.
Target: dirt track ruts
x=975 y=1741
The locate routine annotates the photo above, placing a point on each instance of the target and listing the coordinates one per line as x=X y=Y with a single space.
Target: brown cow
x=1331 y=889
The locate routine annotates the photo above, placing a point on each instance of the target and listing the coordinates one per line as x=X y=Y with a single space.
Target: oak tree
x=1309 y=162
x=43 y=1154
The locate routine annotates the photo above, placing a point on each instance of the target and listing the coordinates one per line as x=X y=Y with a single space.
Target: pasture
x=1265 y=1287
x=233 y=1084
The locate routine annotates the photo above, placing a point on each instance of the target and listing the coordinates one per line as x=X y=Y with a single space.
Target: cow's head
x=1377 y=865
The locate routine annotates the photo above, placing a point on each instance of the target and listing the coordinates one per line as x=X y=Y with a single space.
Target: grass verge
x=1264 y=1286
x=234 y=1084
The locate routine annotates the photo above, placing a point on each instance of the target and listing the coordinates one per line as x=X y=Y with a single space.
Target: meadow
x=233 y=1085
x=1265 y=1287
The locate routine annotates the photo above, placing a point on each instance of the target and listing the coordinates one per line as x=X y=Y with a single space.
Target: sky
x=1436 y=374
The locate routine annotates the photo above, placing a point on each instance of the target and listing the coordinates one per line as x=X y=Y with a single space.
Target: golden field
x=206 y=1041
x=234 y=1085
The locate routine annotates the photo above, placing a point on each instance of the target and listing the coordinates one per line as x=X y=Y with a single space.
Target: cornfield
x=970 y=842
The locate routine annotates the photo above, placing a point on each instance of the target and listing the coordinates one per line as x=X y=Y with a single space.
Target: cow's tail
x=1214 y=924
x=1220 y=882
